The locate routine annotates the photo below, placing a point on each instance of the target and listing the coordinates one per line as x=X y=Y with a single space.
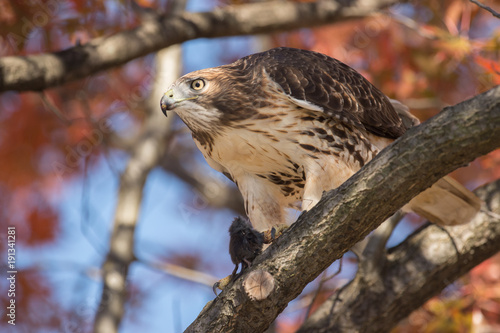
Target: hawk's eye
x=197 y=84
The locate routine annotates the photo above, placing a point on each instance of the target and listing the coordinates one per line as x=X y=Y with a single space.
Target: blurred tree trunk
x=145 y=155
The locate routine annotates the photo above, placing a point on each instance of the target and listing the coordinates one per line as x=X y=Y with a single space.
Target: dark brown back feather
x=330 y=84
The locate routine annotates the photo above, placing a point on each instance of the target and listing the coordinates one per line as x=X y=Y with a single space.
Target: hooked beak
x=167 y=102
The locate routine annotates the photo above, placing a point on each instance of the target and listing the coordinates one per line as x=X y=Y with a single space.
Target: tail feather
x=446 y=202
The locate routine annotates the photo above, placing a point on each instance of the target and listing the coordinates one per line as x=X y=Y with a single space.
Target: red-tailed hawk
x=287 y=124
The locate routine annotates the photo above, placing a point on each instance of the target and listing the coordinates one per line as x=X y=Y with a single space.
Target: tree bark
x=344 y=216
x=42 y=71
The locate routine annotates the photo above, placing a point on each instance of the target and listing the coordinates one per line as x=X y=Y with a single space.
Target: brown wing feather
x=330 y=84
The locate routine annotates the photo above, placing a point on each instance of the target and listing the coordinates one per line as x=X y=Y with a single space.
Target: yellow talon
x=221 y=284
x=273 y=233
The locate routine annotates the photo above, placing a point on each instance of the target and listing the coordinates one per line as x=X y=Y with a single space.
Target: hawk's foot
x=273 y=233
x=222 y=283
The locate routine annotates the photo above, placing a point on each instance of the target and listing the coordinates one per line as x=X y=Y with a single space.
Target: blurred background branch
x=43 y=71
x=215 y=192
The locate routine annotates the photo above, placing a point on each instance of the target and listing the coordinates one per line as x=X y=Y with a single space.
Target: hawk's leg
x=321 y=178
x=273 y=233
x=222 y=283
x=262 y=202
x=313 y=190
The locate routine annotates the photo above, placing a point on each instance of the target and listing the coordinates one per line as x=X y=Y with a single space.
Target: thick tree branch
x=411 y=273
x=346 y=215
x=38 y=72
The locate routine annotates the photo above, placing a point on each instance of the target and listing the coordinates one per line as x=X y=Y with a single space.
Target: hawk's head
x=191 y=97
x=210 y=98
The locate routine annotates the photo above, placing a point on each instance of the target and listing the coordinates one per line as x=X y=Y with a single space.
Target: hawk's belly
x=290 y=162
x=253 y=157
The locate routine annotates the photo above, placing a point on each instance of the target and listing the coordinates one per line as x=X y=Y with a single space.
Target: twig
x=214 y=192
x=373 y=254
x=181 y=272
x=321 y=282
x=494 y=13
x=85 y=209
x=423 y=103
x=413 y=25
x=54 y=109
